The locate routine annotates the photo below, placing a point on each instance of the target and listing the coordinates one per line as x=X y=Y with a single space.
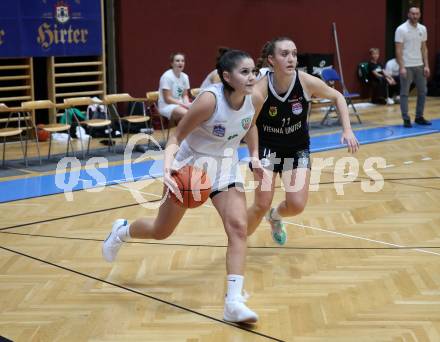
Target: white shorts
x=222 y=171
x=167 y=110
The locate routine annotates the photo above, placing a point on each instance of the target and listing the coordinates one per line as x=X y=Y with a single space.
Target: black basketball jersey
x=282 y=123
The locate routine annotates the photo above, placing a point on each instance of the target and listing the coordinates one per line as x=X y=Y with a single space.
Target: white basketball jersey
x=224 y=129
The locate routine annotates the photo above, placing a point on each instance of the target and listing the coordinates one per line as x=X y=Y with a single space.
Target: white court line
x=361 y=238
x=24 y=204
x=116 y=186
x=408 y=162
x=322 y=230
x=427 y=158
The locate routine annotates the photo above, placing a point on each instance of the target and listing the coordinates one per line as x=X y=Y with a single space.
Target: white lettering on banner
x=283 y=130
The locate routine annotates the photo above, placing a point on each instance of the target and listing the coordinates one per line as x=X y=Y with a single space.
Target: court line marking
x=360 y=238
x=175 y=244
x=241 y=327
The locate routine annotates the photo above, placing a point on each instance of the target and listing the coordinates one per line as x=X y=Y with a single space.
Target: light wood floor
x=356 y=267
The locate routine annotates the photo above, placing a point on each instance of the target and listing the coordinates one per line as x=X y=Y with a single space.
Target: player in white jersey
x=213 y=145
x=214 y=125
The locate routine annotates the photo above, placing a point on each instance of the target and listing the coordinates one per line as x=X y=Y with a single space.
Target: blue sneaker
x=279 y=234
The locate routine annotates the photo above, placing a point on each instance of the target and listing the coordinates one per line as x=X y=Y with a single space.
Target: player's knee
x=296 y=206
x=263 y=205
x=237 y=228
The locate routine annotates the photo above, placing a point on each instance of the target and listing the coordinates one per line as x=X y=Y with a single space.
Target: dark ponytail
x=227 y=62
x=262 y=61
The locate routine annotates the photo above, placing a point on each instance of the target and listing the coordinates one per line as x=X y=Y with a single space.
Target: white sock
x=123 y=232
x=274 y=214
x=235 y=286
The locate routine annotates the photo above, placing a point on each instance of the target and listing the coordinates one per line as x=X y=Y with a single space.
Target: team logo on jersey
x=297 y=108
x=246 y=123
x=273 y=111
x=219 y=130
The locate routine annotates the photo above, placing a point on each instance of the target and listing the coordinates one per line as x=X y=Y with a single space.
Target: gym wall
x=147 y=32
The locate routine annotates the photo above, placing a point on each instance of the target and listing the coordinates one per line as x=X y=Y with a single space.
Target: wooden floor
x=356 y=267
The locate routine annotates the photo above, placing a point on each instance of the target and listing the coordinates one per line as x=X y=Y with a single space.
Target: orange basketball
x=42 y=135
x=194 y=186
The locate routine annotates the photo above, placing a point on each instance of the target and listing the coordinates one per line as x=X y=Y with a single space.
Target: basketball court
x=364 y=265
x=361 y=262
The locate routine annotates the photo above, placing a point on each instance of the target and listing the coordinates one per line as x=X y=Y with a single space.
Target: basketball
x=42 y=135
x=194 y=186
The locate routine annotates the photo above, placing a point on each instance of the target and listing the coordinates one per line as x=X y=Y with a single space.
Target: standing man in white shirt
x=412 y=56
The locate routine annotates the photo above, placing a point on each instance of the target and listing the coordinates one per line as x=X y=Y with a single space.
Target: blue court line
x=23 y=188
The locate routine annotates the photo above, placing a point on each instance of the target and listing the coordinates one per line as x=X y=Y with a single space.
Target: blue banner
x=41 y=28
x=9 y=29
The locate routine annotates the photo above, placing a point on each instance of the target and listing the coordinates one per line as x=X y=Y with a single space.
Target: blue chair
x=330 y=76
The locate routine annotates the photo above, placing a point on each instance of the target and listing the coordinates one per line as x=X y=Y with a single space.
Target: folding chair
x=152 y=98
x=92 y=123
x=6 y=131
x=330 y=76
x=30 y=125
x=52 y=127
x=112 y=99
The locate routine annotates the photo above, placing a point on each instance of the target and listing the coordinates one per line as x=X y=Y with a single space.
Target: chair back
x=194 y=92
x=329 y=75
x=40 y=104
x=152 y=96
x=115 y=98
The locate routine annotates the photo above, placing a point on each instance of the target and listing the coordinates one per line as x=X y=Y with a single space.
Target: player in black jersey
x=282 y=142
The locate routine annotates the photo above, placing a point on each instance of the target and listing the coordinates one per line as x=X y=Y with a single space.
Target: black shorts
x=226 y=188
x=279 y=162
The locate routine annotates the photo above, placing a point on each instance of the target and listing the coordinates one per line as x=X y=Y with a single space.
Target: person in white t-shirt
x=412 y=57
x=173 y=100
x=393 y=69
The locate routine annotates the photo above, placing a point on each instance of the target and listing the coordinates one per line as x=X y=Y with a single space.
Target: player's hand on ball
x=171 y=184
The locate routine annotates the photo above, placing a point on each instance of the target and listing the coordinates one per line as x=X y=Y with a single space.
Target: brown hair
x=268 y=50
x=174 y=54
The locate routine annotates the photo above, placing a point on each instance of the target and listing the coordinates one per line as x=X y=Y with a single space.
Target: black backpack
x=363 y=72
x=97 y=112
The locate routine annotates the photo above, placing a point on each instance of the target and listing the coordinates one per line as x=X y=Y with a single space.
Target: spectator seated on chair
x=173 y=100
x=379 y=79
